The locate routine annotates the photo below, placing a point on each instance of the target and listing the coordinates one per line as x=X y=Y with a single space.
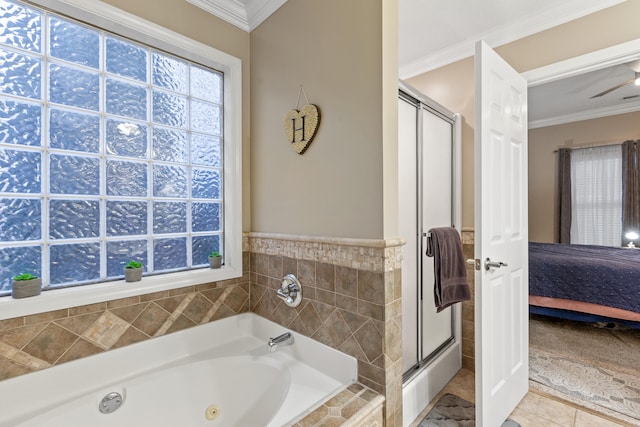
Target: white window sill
x=58 y=299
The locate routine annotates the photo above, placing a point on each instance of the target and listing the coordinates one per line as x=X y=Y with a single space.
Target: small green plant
x=215 y=254
x=24 y=276
x=133 y=264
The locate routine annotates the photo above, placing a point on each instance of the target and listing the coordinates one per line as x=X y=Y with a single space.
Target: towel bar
x=428 y=233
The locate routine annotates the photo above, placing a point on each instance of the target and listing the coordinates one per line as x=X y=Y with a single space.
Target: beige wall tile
x=106 y=330
x=19 y=337
x=79 y=349
x=347 y=281
x=46 y=317
x=10 y=369
x=50 y=343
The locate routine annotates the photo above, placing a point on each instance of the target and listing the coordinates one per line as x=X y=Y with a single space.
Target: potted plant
x=215 y=259
x=26 y=285
x=133 y=271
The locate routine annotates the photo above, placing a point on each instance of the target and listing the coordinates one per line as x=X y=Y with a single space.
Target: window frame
x=580 y=211
x=138 y=29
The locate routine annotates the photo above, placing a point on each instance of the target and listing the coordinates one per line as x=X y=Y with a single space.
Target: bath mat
x=453 y=411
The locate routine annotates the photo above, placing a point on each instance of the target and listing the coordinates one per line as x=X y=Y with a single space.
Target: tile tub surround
x=351 y=301
x=468 y=312
x=35 y=342
x=356 y=406
x=352 y=291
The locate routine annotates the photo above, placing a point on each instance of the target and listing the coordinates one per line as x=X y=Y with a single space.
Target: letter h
x=297 y=129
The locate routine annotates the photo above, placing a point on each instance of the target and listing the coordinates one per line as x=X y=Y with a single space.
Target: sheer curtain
x=596 y=193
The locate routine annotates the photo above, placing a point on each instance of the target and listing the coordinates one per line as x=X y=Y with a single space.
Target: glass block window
x=110 y=151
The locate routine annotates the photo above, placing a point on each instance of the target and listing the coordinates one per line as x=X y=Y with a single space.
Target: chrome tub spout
x=284 y=339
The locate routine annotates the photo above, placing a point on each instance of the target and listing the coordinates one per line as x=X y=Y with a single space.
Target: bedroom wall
x=452 y=85
x=543 y=209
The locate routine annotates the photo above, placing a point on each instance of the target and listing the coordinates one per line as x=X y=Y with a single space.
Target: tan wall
x=336 y=49
x=543 y=224
x=452 y=85
x=190 y=21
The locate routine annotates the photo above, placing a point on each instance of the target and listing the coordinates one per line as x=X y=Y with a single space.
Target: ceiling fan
x=635 y=66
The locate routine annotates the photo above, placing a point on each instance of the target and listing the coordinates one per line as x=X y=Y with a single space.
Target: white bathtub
x=218 y=374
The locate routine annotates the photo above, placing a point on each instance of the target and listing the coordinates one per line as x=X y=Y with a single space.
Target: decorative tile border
x=362 y=254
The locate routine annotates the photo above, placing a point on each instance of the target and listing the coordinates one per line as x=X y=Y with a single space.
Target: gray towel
x=450 y=284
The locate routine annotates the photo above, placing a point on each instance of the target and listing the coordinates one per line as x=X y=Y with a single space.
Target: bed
x=585 y=283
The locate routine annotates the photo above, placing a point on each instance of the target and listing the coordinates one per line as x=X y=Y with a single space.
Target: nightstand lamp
x=631 y=235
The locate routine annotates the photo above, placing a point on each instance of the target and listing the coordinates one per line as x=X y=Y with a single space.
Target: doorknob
x=488 y=264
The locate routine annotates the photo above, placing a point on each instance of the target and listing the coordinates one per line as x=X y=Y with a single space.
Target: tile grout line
x=216 y=305
x=175 y=314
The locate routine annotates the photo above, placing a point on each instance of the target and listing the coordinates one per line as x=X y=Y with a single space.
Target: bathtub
x=217 y=374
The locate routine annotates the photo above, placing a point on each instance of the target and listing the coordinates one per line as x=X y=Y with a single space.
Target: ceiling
x=434 y=33
x=573 y=99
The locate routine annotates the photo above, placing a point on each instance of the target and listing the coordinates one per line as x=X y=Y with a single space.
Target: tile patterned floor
x=535 y=410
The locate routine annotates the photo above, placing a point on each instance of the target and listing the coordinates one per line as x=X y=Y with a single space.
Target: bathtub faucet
x=284 y=339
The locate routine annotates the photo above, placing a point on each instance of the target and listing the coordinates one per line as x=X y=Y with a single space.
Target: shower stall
x=429 y=163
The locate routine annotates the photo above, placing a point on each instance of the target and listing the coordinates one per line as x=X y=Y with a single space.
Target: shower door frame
x=430 y=372
x=421 y=102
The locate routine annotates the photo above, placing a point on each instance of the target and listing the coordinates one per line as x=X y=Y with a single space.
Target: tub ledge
x=356 y=406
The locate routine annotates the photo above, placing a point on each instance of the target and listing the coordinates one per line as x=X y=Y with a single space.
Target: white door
x=501 y=238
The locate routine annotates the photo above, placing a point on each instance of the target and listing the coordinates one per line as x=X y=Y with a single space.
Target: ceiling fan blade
x=613 y=88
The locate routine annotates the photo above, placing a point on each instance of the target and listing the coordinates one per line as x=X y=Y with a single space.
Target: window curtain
x=564 y=195
x=596 y=195
x=630 y=188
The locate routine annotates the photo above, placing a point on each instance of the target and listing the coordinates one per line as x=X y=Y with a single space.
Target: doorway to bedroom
x=593 y=363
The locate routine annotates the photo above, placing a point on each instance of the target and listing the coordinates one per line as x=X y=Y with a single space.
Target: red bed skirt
x=584 y=307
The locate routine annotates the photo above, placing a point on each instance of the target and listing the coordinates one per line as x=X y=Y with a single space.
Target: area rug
x=453 y=411
x=598 y=388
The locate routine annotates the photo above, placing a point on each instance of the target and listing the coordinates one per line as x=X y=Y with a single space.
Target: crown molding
x=531 y=24
x=232 y=11
x=597 y=113
x=259 y=10
x=596 y=60
x=244 y=14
